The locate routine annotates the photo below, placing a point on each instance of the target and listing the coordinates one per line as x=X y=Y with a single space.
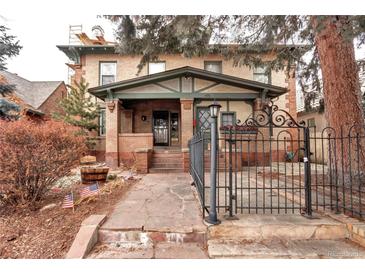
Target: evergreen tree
x=8 y=48
x=79 y=109
x=325 y=52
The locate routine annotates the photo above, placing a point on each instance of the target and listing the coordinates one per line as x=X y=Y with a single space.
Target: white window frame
x=213 y=62
x=101 y=73
x=262 y=70
x=150 y=71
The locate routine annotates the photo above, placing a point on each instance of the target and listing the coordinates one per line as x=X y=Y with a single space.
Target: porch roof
x=258 y=89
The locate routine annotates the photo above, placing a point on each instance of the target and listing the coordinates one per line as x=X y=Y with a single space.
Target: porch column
x=186 y=121
x=111 y=135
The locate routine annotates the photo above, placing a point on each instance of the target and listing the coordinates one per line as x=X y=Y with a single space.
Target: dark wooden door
x=161 y=128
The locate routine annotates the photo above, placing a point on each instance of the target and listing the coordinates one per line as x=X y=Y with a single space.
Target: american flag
x=89 y=191
x=68 y=201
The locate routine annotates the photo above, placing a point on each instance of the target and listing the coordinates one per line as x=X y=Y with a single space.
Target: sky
x=39 y=40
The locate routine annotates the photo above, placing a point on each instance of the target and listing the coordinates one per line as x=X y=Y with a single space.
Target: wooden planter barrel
x=91 y=175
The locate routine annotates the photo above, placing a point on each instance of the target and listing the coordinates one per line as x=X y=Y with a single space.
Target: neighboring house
x=38 y=98
x=168 y=101
x=314 y=117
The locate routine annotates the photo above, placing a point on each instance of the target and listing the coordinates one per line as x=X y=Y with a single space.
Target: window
x=228 y=118
x=156 y=67
x=203 y=118
x=102 y=122
x=108 y=72
x=262 y=74
x=213 y=66
x=311 y=122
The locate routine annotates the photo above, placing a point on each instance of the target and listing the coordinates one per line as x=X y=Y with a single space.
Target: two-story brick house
x=168 y=100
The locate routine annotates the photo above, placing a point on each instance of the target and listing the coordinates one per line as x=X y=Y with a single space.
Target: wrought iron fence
x=197 y=168
x=338 y=167
x=272 y=164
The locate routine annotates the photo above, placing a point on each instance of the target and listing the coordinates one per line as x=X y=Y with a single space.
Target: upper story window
x=108 y=72
x=214 y=66
x=262 y=74
x=155 y=67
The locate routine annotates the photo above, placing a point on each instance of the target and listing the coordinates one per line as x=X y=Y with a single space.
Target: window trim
x=206 y=62
x=197 y=109
x=148 y=66
x=314 y=122
x=99 y=119
x=228 y=112
x=106 y=62
x=267 y=72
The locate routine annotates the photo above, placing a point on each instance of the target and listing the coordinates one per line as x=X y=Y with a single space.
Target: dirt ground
x=26 y=233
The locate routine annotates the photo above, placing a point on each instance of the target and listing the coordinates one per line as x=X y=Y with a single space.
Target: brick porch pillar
x=111 y=135
x=186 y=121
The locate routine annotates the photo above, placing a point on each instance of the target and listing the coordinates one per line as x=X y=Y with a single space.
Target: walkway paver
x=159 y=202
x=159 y=218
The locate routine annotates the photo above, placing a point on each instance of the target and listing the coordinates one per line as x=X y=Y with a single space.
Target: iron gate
x=264 y=166
x=250 y=161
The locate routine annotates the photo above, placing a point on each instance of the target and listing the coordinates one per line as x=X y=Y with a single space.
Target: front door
x=161 y=128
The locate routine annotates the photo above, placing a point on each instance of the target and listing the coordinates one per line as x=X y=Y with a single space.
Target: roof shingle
x=34 y=93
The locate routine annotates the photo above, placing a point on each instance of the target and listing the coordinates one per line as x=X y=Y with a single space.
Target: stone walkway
x=158 y=218
x=160 y=202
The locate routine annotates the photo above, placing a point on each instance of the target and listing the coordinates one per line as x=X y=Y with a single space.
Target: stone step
x=251 y=227
x=165 y=170
x=283 y=248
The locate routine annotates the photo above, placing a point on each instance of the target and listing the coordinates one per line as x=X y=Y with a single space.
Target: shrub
x=34 y=155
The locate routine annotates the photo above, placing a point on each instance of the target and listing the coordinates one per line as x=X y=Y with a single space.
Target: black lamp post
x=214 y=110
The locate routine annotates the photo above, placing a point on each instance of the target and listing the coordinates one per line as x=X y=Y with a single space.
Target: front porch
x=145 y=128
x=163 y=110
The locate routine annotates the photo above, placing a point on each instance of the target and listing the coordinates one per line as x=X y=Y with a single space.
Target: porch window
x=102 y=122
x=156 y=67
x=213 y=66
x=228 y=118
x=311 y=122
x=108 y=72
x=203 y=117
x=262 y=74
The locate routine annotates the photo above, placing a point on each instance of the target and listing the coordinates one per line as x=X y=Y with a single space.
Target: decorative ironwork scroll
x=271 y=116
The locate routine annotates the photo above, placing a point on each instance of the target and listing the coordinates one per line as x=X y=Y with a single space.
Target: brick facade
x=135 y=117
x=52 y=102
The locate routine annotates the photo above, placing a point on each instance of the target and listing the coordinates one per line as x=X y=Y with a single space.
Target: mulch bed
x=31 y=233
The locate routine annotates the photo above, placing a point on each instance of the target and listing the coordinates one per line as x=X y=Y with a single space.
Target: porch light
x=214 y=109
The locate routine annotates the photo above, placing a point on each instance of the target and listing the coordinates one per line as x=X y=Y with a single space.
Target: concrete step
x=145 y=239
x=251 y=227
x=159 y=251
x=288 y=249
x=167 y=160
x=167 y=165
x=165 y=170
x=167 y=155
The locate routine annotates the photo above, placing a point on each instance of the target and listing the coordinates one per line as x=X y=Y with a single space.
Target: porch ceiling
x=256 y=89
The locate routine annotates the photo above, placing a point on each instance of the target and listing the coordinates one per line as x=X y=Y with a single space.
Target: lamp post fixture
x=214 y=110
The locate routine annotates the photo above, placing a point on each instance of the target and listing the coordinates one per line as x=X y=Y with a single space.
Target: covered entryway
x=165 y=109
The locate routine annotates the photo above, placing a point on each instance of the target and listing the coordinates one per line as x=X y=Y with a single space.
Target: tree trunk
x=342 y=95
